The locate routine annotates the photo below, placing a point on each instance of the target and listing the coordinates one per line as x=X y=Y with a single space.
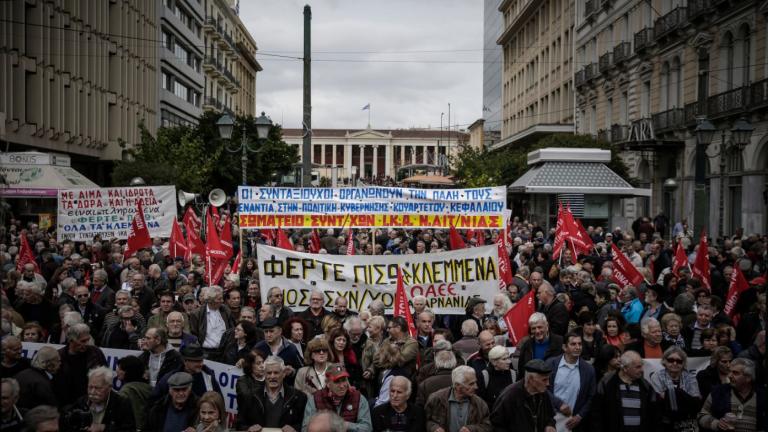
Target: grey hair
x=247 y=308
x=524 y=272
x=335 y=422
x=269 y=293
x=15 y=389
x=628 y=357
x=76 y=331
x=376 y=307
x=44 y=356
x=445 y=360
x=123 y=309
x=645 y=325
x=40 y=414
x=104 y=373
x=210 y=292
x=419 y=297
x=506 y=303
x=351 y=321
x=674 y=349
x=547 y=286
x=469 y=328
x=404 y=380
x=69 y=283
x=537 y=317
x=747 y=364
x=100 y=274
x=459 y=374
x=71 y=318
x=274 y=360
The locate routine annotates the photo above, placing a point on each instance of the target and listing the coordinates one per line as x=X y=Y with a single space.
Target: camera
x=77 y=419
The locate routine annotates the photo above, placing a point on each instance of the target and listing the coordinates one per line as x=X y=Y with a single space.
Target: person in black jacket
x=525 y=405
x=541 y=344
x=397 y=414
x=158 y=356
x=277 y=406
x=555 y=310
x=37 y=387
x=177 y=409
x=106 y=406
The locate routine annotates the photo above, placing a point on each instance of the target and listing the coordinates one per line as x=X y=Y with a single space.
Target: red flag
x=681 y=259
x=480 y=238
x=624 y=273
x=216 y=217
x=138 y=236
x=195 y=244
x=238 y=260
x=517 y=317
x=268 y=236
x=25 y=254
x=215 y=253
x=401 y=307
x=589 y=244
x=455 y=239
x=350 y=243
x=470 y=234
x=191 y=219
x=573 y=235
x=282 y=240
x=226 y=238
x=177 y=246
x=314 y=242
x=560 y=233
x=505 y=267
x=738 y=285
x=700 y=268
x=508 y=230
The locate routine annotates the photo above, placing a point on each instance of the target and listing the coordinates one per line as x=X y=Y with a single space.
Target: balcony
x=591 y=71
x=758 y=94
x=643 y=40
x=580 y=79
x=697 y=8
x=733 y=101
x=229 y=81
x=669 y=23
x=669 y=120
x=606 y=62
x=621 y=53
x=590 y=7
x=693 y=111
x=619 y=133
x=212 y=66
x=209 y=25
x=210 y=103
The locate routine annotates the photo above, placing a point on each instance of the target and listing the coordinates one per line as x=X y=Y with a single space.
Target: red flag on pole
x=138 y=236
x=517 y=317
x=282 y=240
x=560 y=233
x=588 y=243
x=623 y=271
x=480 y=236
x=401 y=307
x=268 y=236
x=314 y=242
x=238 y=260
x=191 y=219
x=177 y=246
x=681 y=259
x=700 y=268
x=738 y=285
x=505 y=267
x=455 y=239
x=25 y=254
x=215 y=253
x=195 y=244
x=226 y=238
x=216 y=217
x=350 y=243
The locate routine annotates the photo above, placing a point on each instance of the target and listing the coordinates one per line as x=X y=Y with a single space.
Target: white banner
x=448 y=279
x=108 y=212
x=369 y=207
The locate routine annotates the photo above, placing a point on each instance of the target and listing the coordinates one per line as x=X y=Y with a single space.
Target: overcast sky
x=408 y=59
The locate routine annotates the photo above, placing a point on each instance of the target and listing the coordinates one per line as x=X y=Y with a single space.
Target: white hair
x=210 y=292
x=645 y=325
x=104 y=373
x=460 y=373
x=537 y=317
x=469 y=328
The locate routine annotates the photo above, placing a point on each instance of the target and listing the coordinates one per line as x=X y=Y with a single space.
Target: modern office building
x=650 y=72
x=492 y=73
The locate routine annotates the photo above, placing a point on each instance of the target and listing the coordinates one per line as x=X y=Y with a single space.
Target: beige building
x=230 y=64
x=379 y=153
x=648 y=70
x=69 y=72
x=537 y=90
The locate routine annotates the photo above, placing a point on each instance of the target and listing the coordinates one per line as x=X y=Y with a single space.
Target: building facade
x=537 y=90
x=492 y=73
x=69 y=75
x=650 y=71
x=375 y=153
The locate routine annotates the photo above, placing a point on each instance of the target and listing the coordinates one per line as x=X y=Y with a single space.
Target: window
x=181 y=53
x=167 y=41
x=167 y=81
x=180 y=90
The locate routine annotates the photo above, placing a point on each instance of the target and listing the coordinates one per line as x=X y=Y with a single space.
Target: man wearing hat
x=339 y=397
x=177 y=410
x=203 y=379
x=526 y=404
x=275 y=344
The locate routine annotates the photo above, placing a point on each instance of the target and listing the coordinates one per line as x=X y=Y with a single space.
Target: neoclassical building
x=647 y=72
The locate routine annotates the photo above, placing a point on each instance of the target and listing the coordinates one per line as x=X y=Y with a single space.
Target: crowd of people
x=582 y=366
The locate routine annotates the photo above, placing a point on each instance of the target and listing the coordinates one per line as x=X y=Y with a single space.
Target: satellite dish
x=217 y=197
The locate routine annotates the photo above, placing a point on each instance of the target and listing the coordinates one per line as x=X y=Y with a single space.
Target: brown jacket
x=438 y=380
x=438 y=413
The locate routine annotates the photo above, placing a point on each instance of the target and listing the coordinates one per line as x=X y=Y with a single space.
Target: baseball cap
x=336 y=371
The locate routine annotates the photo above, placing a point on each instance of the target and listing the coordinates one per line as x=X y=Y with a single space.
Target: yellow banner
x=259 y=221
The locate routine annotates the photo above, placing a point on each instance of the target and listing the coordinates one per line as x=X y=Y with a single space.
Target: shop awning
x=38 y=175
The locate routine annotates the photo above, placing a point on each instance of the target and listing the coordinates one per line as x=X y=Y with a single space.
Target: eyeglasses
x=674 y=360
x=320 y=351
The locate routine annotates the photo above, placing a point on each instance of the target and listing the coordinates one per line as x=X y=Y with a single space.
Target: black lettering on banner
x=379 y=269
x=273 y=267
x=338 y=273
x=307 y=264
x=290 y=296
x=328 y=298
x=355 y=271
x=326 y=269
x=304 y=298
x=292 y=267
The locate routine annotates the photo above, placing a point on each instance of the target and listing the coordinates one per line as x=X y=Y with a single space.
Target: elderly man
x=36 y=307
x=30 y=275
x=479 y=360
x=315 y=313
x=143 y=294
x=469 y=343
x=78 y=356
x=458 y=408
x=409 y=348
x=541 y=344
x=624 y=400
x=125 y=333
x=12 y=419
x=739 y=405
x=102 y=295
x=339 y=397
x=692 y=333
x=275 y=298
x=651 y=344
x=92 y=314
x=234 y=303
x=176 y=322
x=159 y=357
x=397 y=414
x=424 y=323
x=122 y=298
x=43 y=418
x=175 y=279
x=573 y=382
x=37 y=381
x=278 y=406
x=275 y=344
x=326 y=421
x=176 y=410
x=211 y=321
x=525 y=404
x=340 y=309
x=440 y=376
x=12 y=362
x=110 y=411
x=554 y=309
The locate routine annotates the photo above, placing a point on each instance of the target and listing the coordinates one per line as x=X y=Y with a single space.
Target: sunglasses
x=320 y=351
x=674 y=360
x=82 y=295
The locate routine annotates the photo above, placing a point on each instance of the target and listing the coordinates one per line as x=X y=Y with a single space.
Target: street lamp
x=741 y=132
x=226 y=126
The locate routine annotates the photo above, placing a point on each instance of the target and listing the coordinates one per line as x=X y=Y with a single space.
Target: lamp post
x=226 y=126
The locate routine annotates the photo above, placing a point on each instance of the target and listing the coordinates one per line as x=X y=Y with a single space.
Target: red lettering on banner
x=440 y=290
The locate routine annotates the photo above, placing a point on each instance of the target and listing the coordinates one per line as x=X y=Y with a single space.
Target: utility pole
x=306 y=148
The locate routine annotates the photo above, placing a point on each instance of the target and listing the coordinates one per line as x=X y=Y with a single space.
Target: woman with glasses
x=678 y=392
x=311 y=378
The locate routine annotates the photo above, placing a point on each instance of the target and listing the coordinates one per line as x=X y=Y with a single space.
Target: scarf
x=662 y=382
x=679 y=341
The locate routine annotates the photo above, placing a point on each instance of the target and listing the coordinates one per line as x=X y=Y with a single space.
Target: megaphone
x=186 y=197
x=217 y=197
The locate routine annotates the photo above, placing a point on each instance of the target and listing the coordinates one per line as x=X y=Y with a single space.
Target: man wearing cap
x=203 y=379
x=177 y=410
x=211 y=321
x=526 y=404
x=275 y=344
x=458 y=408
x=338 y=396
x=573 y=381
x=278 y=406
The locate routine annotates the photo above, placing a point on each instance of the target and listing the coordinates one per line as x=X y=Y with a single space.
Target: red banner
x=195 y=244
x=282 y=240
x=455 y=239
x=624 y=273
x=238 y=261
x=681 y=259
x=138 y=236
x=226 y=238
x=314 y=242
x=700 y=268
x=505 y=267
x=517 y=317
x=215 y=253
x=191 y=219
x=350 y=243
x=738 y=285
x=25 y=254
x=560 y=233
x=177 y=246
x=401 y=307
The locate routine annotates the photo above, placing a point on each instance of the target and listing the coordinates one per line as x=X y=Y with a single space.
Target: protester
x=109 y=411
x=339 y=397
x=541 y=344
x=458 y=406
x=526 y=404
x=737 y=405
x=131 y=372
x=311 y=378
x=211 y=415
x=572 y=382
x=497 y=375
x=677 y=390
x=397 y=415
x=12 y=416
x=36 y=381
